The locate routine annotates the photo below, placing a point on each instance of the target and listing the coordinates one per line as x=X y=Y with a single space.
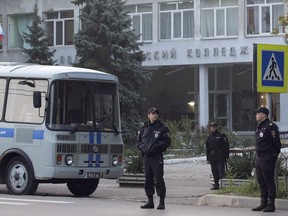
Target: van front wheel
x=83 y=187
x=19 y=178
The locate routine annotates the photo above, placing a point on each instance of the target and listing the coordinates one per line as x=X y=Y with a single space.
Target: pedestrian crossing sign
x=272 y=68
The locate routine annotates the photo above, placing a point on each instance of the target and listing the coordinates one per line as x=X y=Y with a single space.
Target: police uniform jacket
x=153 y=138
x=217 y=147
x=267 y=138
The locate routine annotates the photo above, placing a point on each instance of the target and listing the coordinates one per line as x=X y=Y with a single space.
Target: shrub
x=252 y=189
x=133 y=162
x=239 y=167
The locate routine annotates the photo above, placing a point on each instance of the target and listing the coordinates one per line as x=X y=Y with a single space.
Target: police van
x=58 y=125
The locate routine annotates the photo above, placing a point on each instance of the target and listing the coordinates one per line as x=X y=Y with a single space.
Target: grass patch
x=251 y=189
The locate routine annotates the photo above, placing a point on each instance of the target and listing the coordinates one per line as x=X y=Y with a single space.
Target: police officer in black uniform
x=217 y=153
x=153 y=140
x=267 y=148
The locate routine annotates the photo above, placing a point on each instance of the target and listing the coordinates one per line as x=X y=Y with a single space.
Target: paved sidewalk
x=188 y=183
x=237 y=201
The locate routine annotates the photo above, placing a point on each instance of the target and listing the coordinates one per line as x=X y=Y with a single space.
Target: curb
x=236 y=201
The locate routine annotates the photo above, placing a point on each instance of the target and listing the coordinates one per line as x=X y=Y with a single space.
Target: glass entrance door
x=219 y=108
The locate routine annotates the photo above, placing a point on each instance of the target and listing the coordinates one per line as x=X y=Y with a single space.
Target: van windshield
x=83 y=106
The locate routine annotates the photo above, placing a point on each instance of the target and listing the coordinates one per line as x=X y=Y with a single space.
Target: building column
x=203 y=108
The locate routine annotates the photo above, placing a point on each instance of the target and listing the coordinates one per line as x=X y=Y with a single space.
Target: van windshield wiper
x=103 y=119
x=75 y=128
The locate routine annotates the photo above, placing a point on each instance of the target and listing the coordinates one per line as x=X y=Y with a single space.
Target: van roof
x=27 y=70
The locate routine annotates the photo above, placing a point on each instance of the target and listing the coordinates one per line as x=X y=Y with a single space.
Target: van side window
x=20 y=101
x=2 y=95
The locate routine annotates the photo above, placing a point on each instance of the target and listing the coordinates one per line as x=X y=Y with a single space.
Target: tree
x=107 y=42
x=36 y=38
x=283 y=24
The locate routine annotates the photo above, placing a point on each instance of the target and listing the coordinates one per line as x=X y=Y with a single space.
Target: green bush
x=133 y=162
x=239 y=167
x=185 y=141
x=246 y=189
x=174 y=134
x=252 y=189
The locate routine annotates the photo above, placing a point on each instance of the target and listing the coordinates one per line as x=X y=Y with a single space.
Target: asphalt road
x=188 y=193
x=67 y=205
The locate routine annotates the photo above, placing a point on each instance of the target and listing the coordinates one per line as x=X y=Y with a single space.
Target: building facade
x=199 y=52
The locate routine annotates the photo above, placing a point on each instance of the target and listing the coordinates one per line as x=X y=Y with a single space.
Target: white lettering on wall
x=244 y=50
x=173 y=53
x=198 y=53
x=165 y=54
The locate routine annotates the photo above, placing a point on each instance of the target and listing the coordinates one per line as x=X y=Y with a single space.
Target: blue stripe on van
x=7 y=132
x=92 y=141
x=99 y=141
x=38 y=134
x=98 y=156
x=90 y=156
x=91 y=138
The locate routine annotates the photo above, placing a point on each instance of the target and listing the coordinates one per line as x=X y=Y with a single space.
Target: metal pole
x=269 y=105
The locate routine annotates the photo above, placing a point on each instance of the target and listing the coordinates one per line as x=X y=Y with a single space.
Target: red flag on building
x=1 y=33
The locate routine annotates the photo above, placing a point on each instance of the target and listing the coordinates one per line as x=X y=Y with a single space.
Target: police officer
x=217 y=153
x=153 y=140
x=267 y=148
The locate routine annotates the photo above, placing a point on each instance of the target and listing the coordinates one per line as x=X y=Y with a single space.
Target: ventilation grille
x=66 y=148
x=117 y=149
x=88 y=148
x=66 y=137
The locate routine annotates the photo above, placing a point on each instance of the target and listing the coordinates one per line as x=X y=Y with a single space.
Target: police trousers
x=153 y=168
x=218 y=171
x=265 y=170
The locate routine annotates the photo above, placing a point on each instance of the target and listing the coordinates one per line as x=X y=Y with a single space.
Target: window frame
x=55 y=21
x=260 y=7
x=15 y=39
x=172 y=13
x=215 y=10
x=141 y=14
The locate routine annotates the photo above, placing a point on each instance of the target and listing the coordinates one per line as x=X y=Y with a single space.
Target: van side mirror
x=37 y=99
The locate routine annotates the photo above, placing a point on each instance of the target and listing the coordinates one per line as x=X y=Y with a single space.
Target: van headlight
x=69 y=160
x=115 y=160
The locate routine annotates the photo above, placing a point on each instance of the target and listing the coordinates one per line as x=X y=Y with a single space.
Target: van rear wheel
x=19 y=178
x=83 y=187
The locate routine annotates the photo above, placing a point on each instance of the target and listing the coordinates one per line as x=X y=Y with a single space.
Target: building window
x=219 y=79
x=60 y=27
x=244 y=100
x=262 y=15
x=141 y=16
x=175 y=92
x=176 y=20
x=17 y=25
x=219 y=18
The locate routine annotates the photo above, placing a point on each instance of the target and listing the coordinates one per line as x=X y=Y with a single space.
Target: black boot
x=270 y=207
x=215 y=187
x=149 y=204
x=263 y=205
x=161 y=203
